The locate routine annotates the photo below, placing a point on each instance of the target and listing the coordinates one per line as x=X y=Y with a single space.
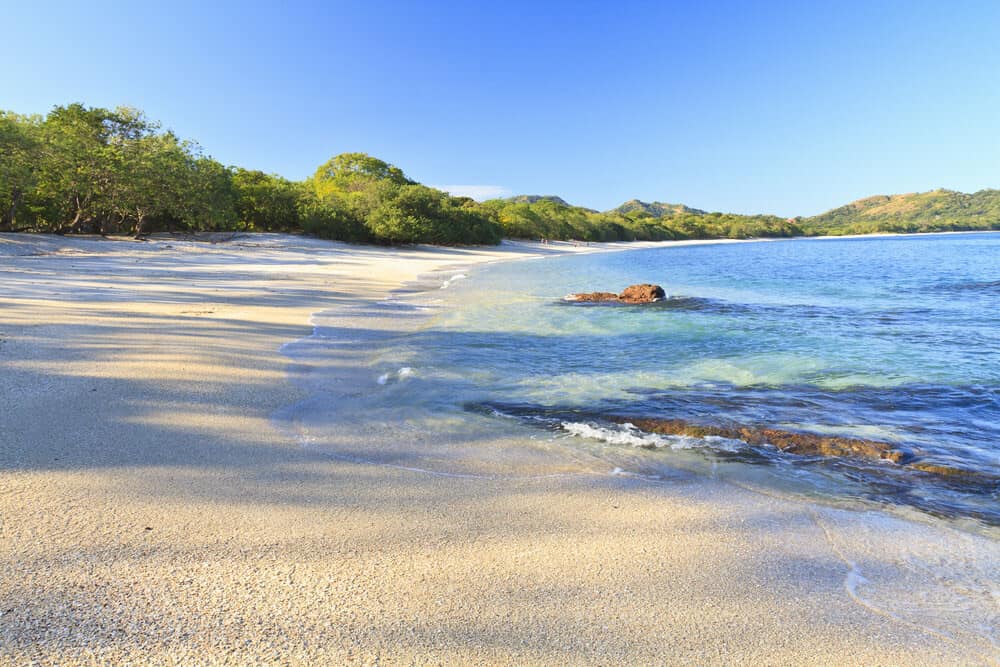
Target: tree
x=355 y=172
x=210 y=201
x=19 y=153
x=415 y=213
x=330 y=217
x=77 y=169
x=154 y=179
x=266 y=202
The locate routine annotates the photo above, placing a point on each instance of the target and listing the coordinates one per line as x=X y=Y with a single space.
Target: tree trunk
x=77 y=219
x=7 y=220
x=73 y=225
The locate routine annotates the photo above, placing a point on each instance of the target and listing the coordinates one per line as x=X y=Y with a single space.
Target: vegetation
x=103 y=171
x=95 y=170
x=935 y=211
x=542 y=217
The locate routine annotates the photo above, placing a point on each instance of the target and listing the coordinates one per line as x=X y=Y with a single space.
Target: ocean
x=890 y=341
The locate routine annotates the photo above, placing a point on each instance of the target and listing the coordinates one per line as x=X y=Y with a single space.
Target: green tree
x=77 y=168
x=330 y=217
x=19 y=155
x=266 y=202
x=155 y=179
x=354 y=172
x=210 y=201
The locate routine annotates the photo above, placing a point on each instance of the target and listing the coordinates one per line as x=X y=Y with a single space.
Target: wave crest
x=628 y=435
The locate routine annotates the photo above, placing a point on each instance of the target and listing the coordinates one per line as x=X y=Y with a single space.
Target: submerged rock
x=805 y=444
x=959 y=476
x=826 y=446
x=645 y=293
x=593 y=297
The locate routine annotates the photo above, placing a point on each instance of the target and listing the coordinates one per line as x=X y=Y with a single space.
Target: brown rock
x=814 y=444
x=642 y=294
x=967 y=474
x=593 y=296
x=938 y=469
x=632 y=294
x=806 y=444
x=977 y=481
x=896 y=455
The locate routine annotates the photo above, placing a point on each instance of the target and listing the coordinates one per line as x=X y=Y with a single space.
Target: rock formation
x=642 y=294
x=813 y=444
x=632 y=294
x=808 y=444
x=593 y=297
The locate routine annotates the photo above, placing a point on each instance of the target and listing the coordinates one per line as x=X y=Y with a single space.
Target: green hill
x=534 y=199
x=937 y=210
x=655 y=209
x=85 y=169
x=530 y=216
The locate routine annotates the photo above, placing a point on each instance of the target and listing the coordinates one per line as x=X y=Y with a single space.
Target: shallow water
x=892 y=339
x=889 y=339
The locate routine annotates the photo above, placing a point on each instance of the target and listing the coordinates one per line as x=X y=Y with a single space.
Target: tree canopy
x=84 y=169
x=89 y=169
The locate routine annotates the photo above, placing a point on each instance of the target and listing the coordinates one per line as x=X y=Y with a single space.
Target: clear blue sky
x=787 y=108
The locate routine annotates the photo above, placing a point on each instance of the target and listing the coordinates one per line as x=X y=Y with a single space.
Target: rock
x=632 y=294
x=896 y=456
x=939 y=469
x=814 y=444
x=593 y=297
x=804 y=444
x=642 y=294
x=968 y=475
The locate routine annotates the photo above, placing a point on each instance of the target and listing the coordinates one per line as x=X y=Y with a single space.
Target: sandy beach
x=152 y=513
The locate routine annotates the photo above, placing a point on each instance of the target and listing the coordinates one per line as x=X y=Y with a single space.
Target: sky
x=789 y=108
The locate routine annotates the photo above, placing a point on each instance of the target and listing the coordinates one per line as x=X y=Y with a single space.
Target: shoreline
x=159 y=518
x=962 y=524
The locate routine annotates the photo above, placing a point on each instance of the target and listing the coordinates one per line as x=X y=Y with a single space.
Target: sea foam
x=401 y=374
x=628 y=435
x=447 y=283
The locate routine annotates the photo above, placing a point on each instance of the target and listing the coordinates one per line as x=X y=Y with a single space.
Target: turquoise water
x=489 y=373
x=895 y=339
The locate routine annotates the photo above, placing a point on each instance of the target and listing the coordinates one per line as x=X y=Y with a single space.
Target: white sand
x=152 y=514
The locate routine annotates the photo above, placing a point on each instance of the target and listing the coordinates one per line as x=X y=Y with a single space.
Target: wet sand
x=153 y=514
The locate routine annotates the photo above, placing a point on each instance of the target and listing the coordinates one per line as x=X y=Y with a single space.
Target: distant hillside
x=937 y=210
x=552 y=217
x=534 y=199
x=85 y=169
x=534 y=216
x=549 y=217
x=655 y=209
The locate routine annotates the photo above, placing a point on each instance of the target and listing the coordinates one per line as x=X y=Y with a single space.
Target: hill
x=533 y=217
x=85 y=169
x=655 y=209
x=534 y=199
x=937 y=210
